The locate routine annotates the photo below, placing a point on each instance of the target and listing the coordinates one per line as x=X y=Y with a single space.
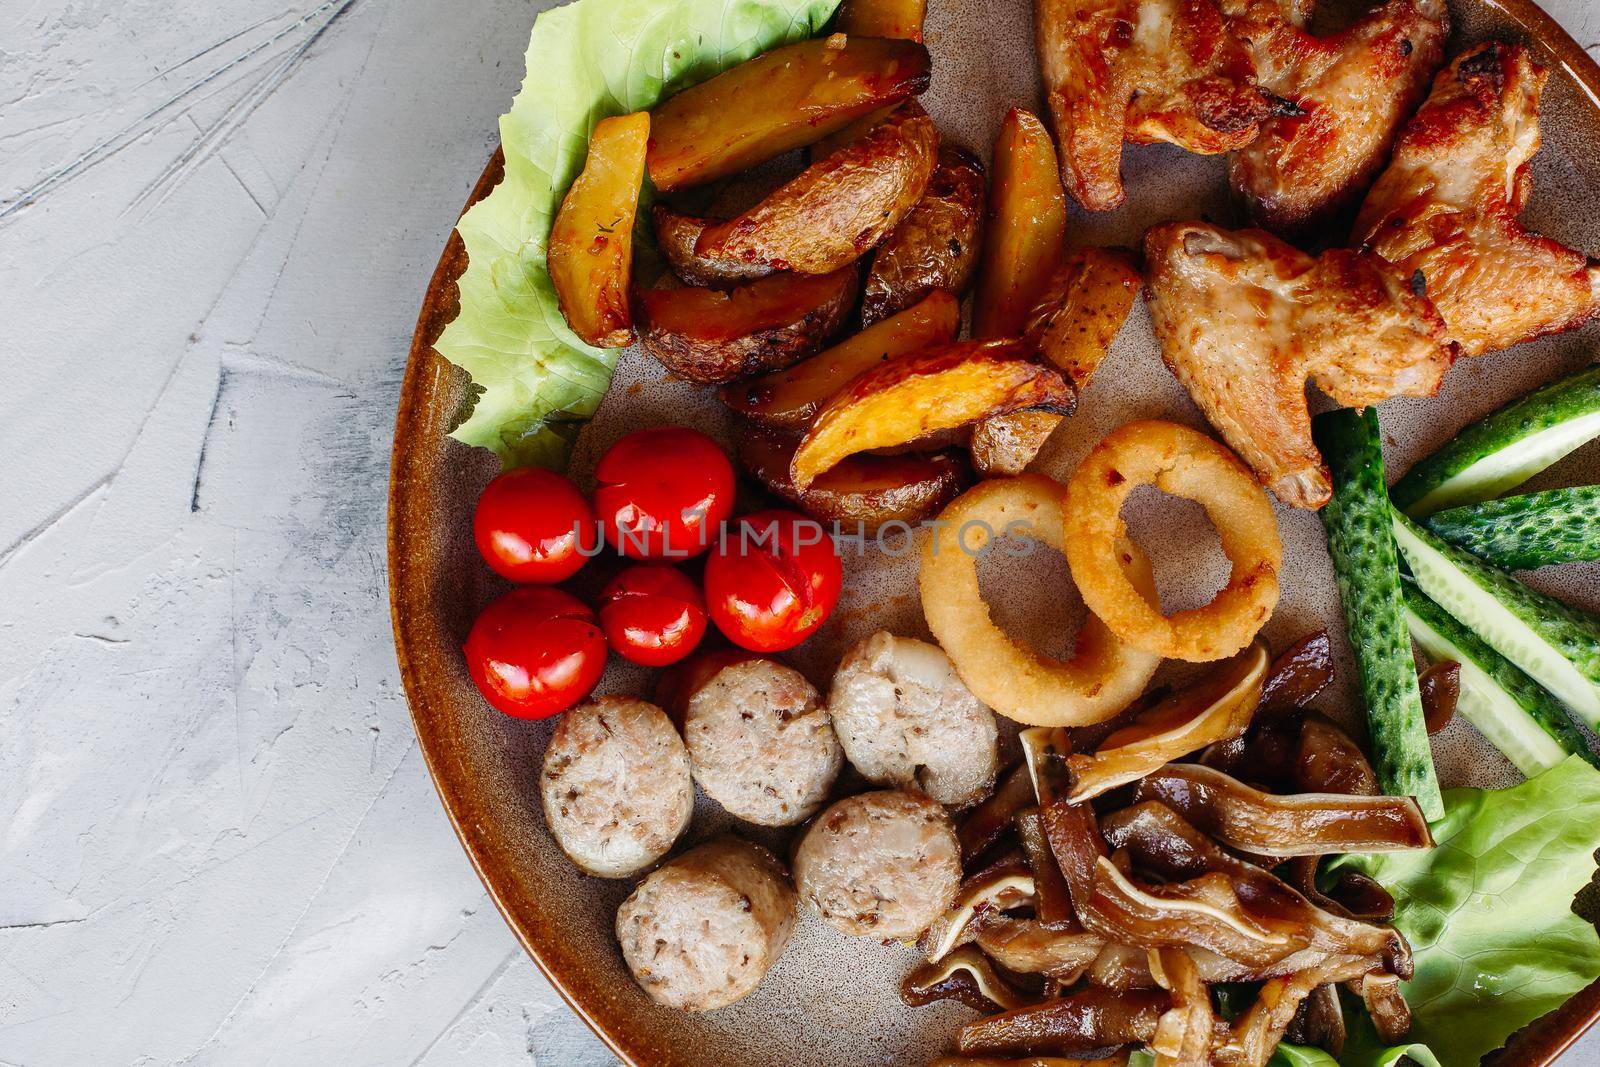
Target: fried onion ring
x=1104 y=674
x=1185 y=463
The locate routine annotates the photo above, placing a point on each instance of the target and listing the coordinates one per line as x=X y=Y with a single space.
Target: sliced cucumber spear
x=1509 y=709
x=1501 y=451
x=1520 y=532
x=1362 y=543
x=1556 y=646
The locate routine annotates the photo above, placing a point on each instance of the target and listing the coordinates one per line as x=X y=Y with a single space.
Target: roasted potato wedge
x=780 y=100
x=838 y=207
x=1027 y=218
x=708 y=335
x=590 y=252
x=1003 y=445
x=830 y=144
x=861 y=493
x=883 y=18
x=926 y=392
x=676 y=234
x=936 y=247
x=790 y=399
x=1084 y=305
x=1082 y=309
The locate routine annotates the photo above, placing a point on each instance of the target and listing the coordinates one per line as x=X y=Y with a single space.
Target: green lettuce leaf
x=535 y=382
x=1489 y=910
x=1289 y=1055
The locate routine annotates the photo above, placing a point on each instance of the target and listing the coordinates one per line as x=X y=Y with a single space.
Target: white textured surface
x=218 y=843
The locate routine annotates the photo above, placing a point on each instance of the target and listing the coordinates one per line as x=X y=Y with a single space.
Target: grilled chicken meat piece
x=1445 y=210
x=1142 y=71
x=1349 y=92
x=1244 y=319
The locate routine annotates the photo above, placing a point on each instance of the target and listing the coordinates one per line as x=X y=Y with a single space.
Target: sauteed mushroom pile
x=1120 y=873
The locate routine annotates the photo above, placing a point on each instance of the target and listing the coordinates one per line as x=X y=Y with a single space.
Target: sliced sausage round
x=616 y=786
x=760 y=743
x=905 y=719
x=703 y=930
x=882 y=865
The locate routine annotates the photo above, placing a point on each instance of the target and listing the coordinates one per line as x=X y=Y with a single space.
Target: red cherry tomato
x=652 y=614
x=664 y=493
x=533 y=525
x=535 y=652
x=772 y=582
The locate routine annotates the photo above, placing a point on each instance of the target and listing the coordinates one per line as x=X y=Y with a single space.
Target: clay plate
x=830 y=1000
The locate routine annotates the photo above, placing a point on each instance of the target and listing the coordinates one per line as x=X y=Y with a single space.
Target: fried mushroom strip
x=1445 y=211
x=1302 y=824
x=1244 y=319
x=1081 y=1022
x=1143 y=71
x=1164 y=845
x=998 y=888
x=966 y=975
x=1183 y=1035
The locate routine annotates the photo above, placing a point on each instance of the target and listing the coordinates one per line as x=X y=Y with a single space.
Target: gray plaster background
x=218 y=842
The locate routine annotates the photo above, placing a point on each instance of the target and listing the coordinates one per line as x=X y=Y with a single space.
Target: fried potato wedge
x=708 y=335
x=883 y=18
x=936 y=247
x=1027 y=218
x=1083 y=307
x=790 y=399
x=676 y=234
x=924 y=393
x=780 y=100
x=863 y=492
x=1003 y=445
x=830 y=144
x=590 y=252
x=838 y=207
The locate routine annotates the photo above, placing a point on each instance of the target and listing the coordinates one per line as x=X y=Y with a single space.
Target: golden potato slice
x=872 y=18
x=590 y=253
x=1027 y=218
x=837 y=208
x=708 y=335
x=1084 y=305
x=863 y=492
x=830 y=144
x=1082 y=309
x=676 y=234
x=780 y=100
x=936 y=247
x=924 y=393
x=791 y=398
x=883 y=18
x=1004 y=445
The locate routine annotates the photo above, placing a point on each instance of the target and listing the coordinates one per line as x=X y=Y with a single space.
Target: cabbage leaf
x=1488 y=911
x=533 y=381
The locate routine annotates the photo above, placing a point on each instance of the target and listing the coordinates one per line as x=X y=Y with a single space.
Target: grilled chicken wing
x=1445 y=210
x=1350 y=92
x=1141 y=71
x=1244 y=319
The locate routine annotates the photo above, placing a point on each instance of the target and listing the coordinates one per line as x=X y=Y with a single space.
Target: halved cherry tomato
x=533 y=525
x=535 y=652
x=652 y=614
x=663 y=493
x=773 y=581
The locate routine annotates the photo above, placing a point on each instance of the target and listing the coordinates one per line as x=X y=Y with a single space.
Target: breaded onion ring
x=1104 y=674
x=1186 y=463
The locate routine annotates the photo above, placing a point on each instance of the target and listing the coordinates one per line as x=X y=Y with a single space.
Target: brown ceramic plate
x=831 y=1001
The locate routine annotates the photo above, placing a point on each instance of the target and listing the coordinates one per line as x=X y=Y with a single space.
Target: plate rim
x=418 y=645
